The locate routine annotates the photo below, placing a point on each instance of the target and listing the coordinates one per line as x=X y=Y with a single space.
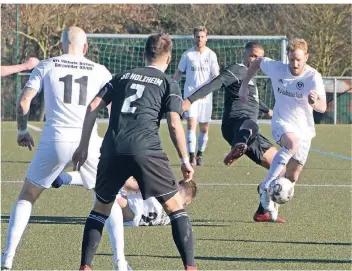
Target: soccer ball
x=281 y=190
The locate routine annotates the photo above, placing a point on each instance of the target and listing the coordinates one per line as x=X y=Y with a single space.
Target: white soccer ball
x=281 y=190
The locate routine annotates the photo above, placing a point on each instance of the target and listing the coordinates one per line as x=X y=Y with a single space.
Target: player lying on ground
x=132 y=147
x=135 y=210
x=67 y=91
x=298 y=90
x=239 y=122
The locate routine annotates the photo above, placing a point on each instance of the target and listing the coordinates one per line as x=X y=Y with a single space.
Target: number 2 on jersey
x=126 y=107
x=83 y=82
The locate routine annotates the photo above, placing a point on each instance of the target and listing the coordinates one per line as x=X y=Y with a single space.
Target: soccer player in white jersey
x=298 y=90
x=69 y=82
x=200 y=65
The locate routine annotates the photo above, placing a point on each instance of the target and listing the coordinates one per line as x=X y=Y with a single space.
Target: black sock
x=260 y=209
x=244 y=135
x=191 y=156
x=183 y=236
x=199 y=153
x=91 y=236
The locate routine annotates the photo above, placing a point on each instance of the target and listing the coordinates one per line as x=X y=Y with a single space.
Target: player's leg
x=262 y=151
x=297 y=162
x=156 y=179
x=110 y=179
x=191 y=116
x=202 y=142
x=244 y=131
x=204 y=117
x=49 y=160
x=114 y=227
x=289 y=145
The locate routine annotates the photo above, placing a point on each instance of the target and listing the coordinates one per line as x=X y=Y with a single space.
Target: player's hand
x=312 y=97
x=186 y=105
x=243 y=92
x=31 y=63
x=25 y=140
x=187 y=171
x=79 y=157
x=270 y=113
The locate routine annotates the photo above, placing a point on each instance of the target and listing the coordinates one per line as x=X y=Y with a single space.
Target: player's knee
x=290 y=142
x=250 y=125
x=102 y=208
x=30 y=192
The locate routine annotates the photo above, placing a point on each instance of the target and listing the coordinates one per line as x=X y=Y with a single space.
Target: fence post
x=335 y=100
x=283 y=50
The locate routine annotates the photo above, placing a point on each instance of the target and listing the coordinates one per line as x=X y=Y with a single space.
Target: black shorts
x=153 y=174
x=257 y=145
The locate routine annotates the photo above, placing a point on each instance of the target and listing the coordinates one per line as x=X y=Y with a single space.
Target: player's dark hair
x=157 y=45
x=190 y=187
x=253 y=44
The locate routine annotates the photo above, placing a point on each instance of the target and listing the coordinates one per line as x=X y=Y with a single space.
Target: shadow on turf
x=51 y=220
x=278 y=242
x=19 y=162
x=243 y=259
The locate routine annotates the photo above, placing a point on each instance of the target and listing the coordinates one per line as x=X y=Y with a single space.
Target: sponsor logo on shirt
x=290 y=94
x=299 y=85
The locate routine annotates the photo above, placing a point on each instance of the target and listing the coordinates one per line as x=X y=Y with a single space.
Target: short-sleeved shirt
x=291 y=96
x=200 y=68
x=139 y=100
x=69 y=84
x=235 y=107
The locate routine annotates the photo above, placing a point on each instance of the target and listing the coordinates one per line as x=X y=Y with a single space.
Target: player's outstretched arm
x=24 y=139
x=252 y=70
x=178 y=138
x=81 y=153
x=28 y=65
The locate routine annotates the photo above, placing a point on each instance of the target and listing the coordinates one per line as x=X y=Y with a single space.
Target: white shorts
x=301 y=155
x=200 y=110
x=51 y=158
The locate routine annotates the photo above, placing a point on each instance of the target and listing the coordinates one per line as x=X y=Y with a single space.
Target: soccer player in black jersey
x=239 y=122
x=139 y=99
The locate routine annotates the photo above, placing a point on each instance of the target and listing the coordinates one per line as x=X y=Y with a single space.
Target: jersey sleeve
x=319 y=86
x=269 y=66
x=230 y=75
x=215 y=69
x=174 y=101
x=105 y=76
x=182 y=65
x=35 y=81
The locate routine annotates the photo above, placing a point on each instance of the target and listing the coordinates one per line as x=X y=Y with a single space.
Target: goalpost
x=120 y=52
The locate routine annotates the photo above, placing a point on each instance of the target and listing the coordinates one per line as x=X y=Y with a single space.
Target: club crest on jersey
x=299 y=85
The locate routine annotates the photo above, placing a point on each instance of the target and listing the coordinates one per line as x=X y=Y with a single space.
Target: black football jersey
x=139 y=99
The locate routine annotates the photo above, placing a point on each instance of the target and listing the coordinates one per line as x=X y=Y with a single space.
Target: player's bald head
x=74 y=35
x=74 y=41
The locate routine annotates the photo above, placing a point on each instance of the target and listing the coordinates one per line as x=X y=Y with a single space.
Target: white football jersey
x=69 y=83
x=147 y=212
x=291 y=96
x=200 y=69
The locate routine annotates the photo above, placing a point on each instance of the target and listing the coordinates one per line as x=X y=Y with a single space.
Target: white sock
x=191 y=141
x=114 y=227
x=202 y=141
x=280 y=161
x=19 y=218
x=71 y=178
